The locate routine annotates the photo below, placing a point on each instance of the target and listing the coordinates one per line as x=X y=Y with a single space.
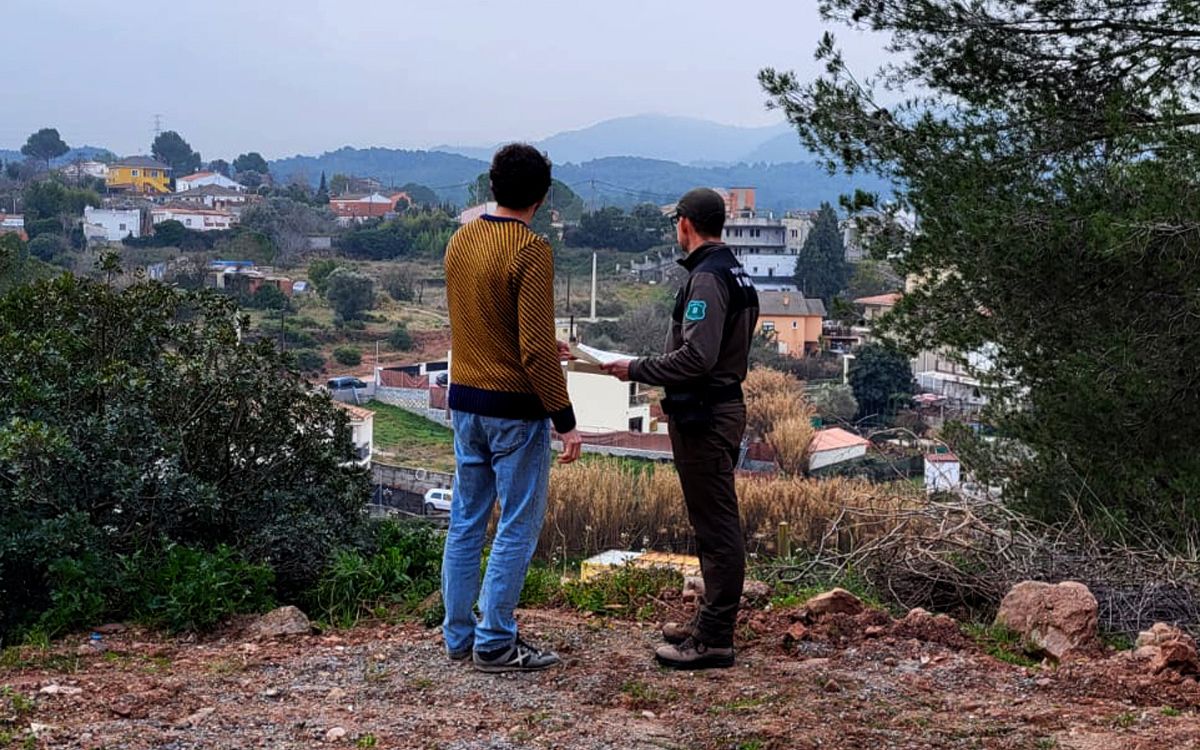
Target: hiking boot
x=519 y=657
x=678 y=632
x=692 y=654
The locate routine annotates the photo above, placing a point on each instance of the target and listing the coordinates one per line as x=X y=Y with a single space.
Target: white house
x=112 y=224
x=604 y=404
x=943 y=472
x=362 y=432
x=835 y=446
x=212 y=196
x=80 y=169
x=202 y=179
x=199 y=219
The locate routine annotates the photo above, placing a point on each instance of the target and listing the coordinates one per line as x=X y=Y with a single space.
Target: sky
x=307 y=76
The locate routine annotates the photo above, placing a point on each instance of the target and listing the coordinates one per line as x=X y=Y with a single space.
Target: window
x=134 y=173
x=795 y=233
x=770 y=272
x=795 y=324
x=768 y=326
x=188 y=222
x=121 y=228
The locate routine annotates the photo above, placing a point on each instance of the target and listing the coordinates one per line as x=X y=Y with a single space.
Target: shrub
x=627 y=590
x=349 y=292
x=185 y=588
x=401 y=339
x=308 y=360
x=348 y=355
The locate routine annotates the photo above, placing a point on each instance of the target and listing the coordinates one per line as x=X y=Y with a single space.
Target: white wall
x=941 y=476
x=821 y=459
x=182 y=184
x=363 y=435
x=601 y=403
x=117 y=224
x=199 y=222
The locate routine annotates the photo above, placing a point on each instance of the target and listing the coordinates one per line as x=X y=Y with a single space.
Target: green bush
x=401 y=339
x=403 y=569
x=542 y=587
x=627 y=590
x=308 y=360
x=348 y=355
x=185 y=588
x=159 y=430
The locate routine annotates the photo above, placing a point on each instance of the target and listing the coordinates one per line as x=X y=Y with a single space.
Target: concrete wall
x=116 y=223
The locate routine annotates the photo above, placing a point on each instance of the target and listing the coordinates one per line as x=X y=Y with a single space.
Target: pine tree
x=821 y=268
x=322 y=195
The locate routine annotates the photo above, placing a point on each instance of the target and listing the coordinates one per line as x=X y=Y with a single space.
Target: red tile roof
x=835 y=438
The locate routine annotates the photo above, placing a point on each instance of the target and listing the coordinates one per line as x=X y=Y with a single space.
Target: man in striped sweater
x=507 y=386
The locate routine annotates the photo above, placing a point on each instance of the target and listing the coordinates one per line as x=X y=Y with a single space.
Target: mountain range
x=684 y=140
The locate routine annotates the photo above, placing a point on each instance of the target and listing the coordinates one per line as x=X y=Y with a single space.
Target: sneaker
x=692 y=654
x=519 y=657
x=678 y=632
x=459 y=655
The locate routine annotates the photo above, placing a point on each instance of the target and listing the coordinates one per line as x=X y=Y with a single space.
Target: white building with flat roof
x=112 y=224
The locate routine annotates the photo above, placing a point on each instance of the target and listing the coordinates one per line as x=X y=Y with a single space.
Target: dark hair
x=709 y=225
x=520 y=176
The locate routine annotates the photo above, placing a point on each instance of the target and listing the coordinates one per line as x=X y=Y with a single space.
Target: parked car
x=437 y=501
x=344 y=383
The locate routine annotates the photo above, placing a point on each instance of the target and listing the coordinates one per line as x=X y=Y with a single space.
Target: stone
x=796 y=632
x=832 y=687
x=61 y=690
x=195 y=719
x=1056 y=620
x=111 y=628
x=280 y=622
x=874 y=631
x=756 y=591
x=335 y=734
x=1179 y=655
x=1145 y=653
x=1160 y=633
x=836 y=601
x=693 y=588
x=37 y=730
x=335 y=695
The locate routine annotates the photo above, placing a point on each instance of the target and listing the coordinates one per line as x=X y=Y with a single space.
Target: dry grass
x=597 y=507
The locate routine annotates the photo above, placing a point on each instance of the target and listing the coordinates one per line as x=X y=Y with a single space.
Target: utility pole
x=593 y=287
x=157 y=125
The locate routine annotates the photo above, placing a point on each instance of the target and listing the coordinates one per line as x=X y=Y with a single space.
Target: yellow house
x=795 y=321
x=139 y=174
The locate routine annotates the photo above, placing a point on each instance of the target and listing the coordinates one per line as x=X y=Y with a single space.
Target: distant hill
x=684 y=140
x=83 y=153
x=622 y=181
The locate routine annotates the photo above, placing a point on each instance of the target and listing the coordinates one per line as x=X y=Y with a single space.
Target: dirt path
x=391 y=687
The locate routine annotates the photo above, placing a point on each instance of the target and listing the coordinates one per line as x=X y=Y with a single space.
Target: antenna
x=157 y=125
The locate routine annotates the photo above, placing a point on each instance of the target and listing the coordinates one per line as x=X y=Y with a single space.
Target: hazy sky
x=305 y=76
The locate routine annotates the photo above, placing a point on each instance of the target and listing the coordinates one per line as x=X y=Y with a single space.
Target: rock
x=1145 y=653
x=837 y=601
x=796 y=632
x=280 y=622
x=335 y=695
x=335 y=734
x=1055 y=620
x=1179 y=655
x=61 y=690
x=37 y=730
x=111 y=628
x=874 y=631
x=649 y=715
x=693 y=588
x=756 y=591
x=195 y=719
x=831 y=687
x=1160 y=633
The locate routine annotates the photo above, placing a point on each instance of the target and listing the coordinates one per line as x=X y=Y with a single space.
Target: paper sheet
x=594 y=356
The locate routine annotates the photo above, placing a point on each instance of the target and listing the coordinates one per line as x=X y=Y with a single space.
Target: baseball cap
x=704 y=206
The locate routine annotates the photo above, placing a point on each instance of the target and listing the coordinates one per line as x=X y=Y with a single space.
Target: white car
x=437 y=501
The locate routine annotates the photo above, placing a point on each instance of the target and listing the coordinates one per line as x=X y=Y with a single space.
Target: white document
x=595 y=356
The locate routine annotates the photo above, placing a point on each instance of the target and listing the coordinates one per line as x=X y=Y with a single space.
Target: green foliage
x=220 y=166
x=318 y=273
x=611 y=227
x=399 y=283
x=871 y=278
x=349 y=292
x=1000 y=643
x=420 y=195
x=45 y=144
x=270 y=297
x=834 y=401
x=416 y=234
x=1052 y=176
x=350 y=356
x=134 y=419
x=542 y=587
x=287 y=224
x=251 y=162
x=881 y=377
x=184 y=588
x=400 y=339
x=46 y=200
x=821 y=268
x=170 y=148
x=627 y=590
x=404 y=569
x=45 y=246
x=308 y=360
x=16 y=267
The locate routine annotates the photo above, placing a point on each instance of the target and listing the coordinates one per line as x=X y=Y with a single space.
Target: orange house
x=795 y=321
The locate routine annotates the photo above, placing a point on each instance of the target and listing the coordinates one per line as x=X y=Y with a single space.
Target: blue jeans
x=509 y=460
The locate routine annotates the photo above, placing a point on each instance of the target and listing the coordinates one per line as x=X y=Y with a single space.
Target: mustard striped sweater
x=500 y=291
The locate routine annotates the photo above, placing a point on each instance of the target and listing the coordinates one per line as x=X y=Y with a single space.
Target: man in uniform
x=706 y=358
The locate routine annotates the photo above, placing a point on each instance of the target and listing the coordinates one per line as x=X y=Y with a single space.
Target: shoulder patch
x=696 y=310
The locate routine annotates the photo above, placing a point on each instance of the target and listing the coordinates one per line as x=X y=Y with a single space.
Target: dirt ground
x=849 y=682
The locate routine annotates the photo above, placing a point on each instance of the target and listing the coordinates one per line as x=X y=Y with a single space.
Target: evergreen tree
x=821 y=268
